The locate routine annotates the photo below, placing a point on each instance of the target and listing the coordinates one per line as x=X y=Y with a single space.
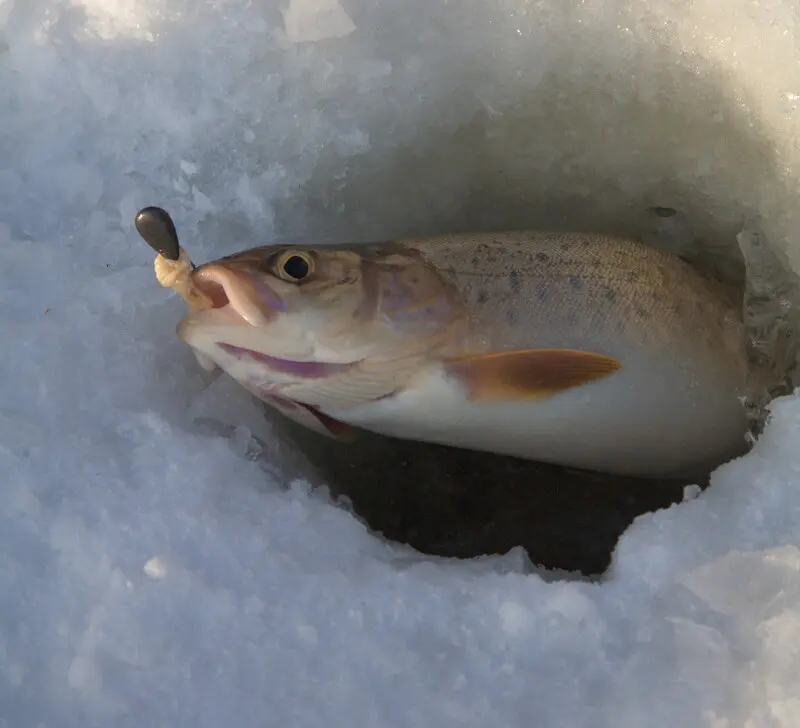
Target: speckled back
x=531 y=289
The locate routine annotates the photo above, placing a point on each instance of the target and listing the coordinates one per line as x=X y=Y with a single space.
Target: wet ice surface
x=153 y=571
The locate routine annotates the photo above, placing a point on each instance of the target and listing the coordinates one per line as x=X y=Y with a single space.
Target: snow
x=158 y=570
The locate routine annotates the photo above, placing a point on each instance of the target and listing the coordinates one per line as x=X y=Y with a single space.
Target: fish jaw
x=245 y=312
x=239 y=333
x=220 y=338
x=270 y=379
x=227 y=308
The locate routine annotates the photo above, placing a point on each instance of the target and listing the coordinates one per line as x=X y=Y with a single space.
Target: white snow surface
x=152 y=574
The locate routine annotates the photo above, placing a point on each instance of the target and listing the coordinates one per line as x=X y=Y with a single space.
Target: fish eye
x=295 y=266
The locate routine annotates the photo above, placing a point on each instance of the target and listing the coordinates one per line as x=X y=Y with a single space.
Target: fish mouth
x=233 y=315
x=228 y=299
x=294 y=368
x=246 y=294
x=211 y=287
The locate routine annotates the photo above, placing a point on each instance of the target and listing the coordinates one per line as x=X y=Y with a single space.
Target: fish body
x=584 y=350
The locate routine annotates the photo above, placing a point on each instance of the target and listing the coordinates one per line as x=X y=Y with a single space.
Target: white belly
x=648 y=420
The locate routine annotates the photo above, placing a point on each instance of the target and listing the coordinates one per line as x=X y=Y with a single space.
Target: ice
x=313 y=20
x=164 y=558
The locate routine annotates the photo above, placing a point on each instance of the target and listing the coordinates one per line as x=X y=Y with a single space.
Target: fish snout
x=238 y=290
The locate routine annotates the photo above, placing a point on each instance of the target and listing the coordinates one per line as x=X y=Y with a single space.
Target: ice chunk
x=313 y=20
x=110 y=19
x=188 y=168
x=155 y=568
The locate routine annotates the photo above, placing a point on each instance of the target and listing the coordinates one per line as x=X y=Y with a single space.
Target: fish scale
x=657 y=299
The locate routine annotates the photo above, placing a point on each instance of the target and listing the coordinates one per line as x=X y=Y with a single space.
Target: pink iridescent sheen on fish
x=583 y=350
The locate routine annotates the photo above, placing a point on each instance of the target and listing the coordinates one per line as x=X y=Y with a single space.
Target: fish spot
x=575 y=282
x=483 y=296
x=511 y=316
x=476 y=260
x=542 y=257
x=514 y=281
x=596 y=261
x=610 y=295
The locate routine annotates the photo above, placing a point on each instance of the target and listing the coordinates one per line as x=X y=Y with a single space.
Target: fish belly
x=651 y=419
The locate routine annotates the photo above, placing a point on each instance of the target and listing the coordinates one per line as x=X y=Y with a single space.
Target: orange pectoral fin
x=529 y=374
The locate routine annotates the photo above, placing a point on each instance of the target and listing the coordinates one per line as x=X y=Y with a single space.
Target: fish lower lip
x=303 y=369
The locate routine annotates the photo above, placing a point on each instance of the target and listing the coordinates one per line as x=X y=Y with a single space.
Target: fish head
x=288 y=320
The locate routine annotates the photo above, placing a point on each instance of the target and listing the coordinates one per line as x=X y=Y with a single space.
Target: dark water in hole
x=451 y=502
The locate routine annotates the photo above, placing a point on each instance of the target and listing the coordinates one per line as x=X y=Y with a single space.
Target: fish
x=589 y=351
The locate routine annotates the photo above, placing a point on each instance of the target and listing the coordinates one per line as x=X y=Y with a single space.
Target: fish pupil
x=296 y=267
